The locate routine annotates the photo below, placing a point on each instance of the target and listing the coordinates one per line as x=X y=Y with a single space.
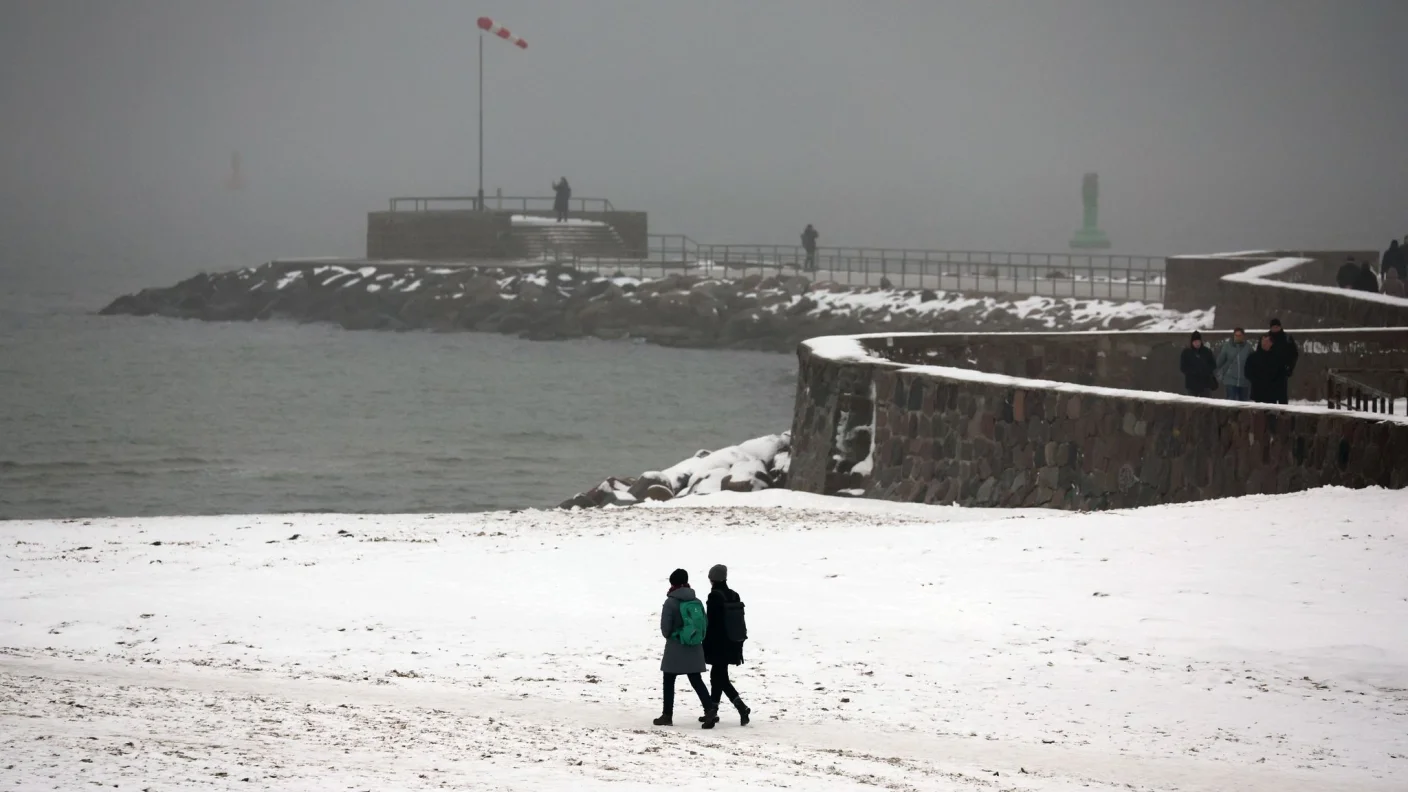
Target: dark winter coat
x=1199 y=369
x=679 y=659
x=1268 y=376
x=1232 y=363
x=718 y=649
x=1366 y=280
x=1286 y=351
x=564 y=195
x=1346 y=275
x=809 y=238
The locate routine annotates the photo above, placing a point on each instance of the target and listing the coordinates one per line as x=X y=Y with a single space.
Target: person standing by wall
x=723 y=643
x=683 y=622
x=562 y=202
x=809 y=237
x=1231 y=366
x=1366 y=280
x=1266 y=374
x=1395 y=260
x=1287 y=353
x=1199 y=367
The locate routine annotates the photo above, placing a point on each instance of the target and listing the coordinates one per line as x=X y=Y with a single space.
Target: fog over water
x=924 y=124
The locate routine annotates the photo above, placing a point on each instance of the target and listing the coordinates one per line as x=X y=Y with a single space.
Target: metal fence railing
x=1084 y=275
x=1345 y=392
x=496 y=202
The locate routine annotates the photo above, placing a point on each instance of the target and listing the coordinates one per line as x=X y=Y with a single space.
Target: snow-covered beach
x=1246 y=644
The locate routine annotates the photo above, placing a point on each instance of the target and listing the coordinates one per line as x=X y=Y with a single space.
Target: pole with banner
x=487 y=26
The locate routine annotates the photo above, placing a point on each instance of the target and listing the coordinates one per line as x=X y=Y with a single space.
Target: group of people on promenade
x=1257 y=372
x=697 y=634
x=1391 y=279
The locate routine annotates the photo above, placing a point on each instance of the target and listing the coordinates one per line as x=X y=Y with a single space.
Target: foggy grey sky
x=1214 y=125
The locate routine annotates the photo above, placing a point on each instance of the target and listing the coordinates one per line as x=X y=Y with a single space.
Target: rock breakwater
x=558 y=302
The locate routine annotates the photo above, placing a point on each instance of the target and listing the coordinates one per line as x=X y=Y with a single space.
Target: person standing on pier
x=563 y=199
x=809 y=237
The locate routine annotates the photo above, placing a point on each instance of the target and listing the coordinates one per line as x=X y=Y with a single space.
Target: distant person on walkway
x=1394 y=285
x=723 y=643
x=1199 y=367
x=1366 y=280
x=1232 y=366
x=1347 y=274
x=1266 y=374
x=809 y=237
x=683 y=622
x=563 y=201
x=1287 y=353
x=1395 y=260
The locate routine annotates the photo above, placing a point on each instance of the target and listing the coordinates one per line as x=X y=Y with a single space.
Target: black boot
x=664 y=720
x=743 y=711
x=711 y=717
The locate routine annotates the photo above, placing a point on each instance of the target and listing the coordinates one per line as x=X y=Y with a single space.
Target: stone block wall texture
x=463 y=234
x=950 y=439
x=439 y=235
x=827 y=392
x=945 y=440
x=1134 y=360
x=1251 y=304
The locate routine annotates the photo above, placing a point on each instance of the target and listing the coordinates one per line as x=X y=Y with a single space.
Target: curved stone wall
x=935 y=434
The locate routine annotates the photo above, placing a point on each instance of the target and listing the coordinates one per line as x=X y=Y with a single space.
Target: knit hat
x=1197 y=336
x=718 y=573
x=1275 y=322
x=679 y=578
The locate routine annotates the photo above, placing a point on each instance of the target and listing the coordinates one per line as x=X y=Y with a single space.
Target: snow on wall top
x=849 y=349
x=1259 y=276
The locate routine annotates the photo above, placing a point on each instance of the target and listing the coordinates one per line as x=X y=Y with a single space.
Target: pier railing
x=1083 y=275
x=523 y=203
x=1345 y=389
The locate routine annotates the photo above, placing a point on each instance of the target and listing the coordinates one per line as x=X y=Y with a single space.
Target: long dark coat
x=678 y=658
x=718 y=649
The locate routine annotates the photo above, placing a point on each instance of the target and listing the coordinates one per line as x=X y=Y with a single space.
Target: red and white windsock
x=486 y=24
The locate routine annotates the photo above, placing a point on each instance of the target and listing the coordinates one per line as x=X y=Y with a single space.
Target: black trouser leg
x=718 y=680
x=669 y=694
x=697 y=682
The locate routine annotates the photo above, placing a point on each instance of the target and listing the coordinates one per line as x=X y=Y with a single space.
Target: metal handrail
x=1343 y=392
x=1063 y=274
x=497 y=202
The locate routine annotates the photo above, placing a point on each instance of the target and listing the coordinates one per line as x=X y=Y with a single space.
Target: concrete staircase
x=569 y=241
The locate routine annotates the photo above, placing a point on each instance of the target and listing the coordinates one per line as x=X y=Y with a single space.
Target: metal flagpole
x=487 y=25
x=480 y=204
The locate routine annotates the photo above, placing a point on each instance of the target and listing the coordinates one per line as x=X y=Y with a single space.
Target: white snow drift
x=1246 y=644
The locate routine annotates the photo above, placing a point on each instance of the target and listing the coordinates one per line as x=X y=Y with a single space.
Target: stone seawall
x=1134 y=360
x=944 y=435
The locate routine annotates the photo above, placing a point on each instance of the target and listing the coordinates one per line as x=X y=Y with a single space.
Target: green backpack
x=696 y=623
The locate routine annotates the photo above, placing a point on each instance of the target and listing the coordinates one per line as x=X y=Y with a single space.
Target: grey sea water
x=123 y=416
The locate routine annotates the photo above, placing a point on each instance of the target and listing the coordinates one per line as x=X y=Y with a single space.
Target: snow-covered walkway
x=1247 y=644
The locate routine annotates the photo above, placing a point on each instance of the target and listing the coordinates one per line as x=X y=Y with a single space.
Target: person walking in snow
x=1199 y=367
x=1267 y=374
x=1231 y=366
x=809 y=237
x=683 y=622
x=562 y=202
x=723 y=643
x=1347 y=274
